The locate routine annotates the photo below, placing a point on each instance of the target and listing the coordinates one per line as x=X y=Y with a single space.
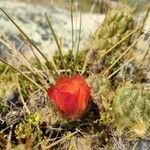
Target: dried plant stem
x=34 y=70
x=127 y=50
x=56 y=40
x=36 y=57
x=135 y=146
x=87 y=59
x=92 y=7
x=21 y=97
x=8 y=147
x=15 y=53
x=28 y=78
x=144 y=20
x=109 y=50
x=54 y=65
x=91 y=50
x=43 y=66
x=19 y=57
x=25 y=35
x=61 y=140
x=111 y=75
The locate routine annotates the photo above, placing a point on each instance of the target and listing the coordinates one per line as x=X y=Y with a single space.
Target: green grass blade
x=72 y=28
x=79 y=39
x=56 y=40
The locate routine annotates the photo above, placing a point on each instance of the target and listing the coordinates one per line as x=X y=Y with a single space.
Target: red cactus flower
x=70 y=96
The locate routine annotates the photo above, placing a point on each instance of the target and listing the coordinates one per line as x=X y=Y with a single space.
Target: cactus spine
x=117 y=24
x=131 y=109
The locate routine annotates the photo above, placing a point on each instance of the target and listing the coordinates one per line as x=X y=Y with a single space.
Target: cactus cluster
x=98 y=83
x=131 y=109
x=117 y=24
x=102 y=95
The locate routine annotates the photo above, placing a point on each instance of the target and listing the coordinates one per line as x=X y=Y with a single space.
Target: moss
x=25 y=85
x=3 y=108
x=7 y=80
x=29 y=127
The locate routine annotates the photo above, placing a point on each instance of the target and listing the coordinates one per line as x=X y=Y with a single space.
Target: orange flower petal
x=65 y=84
x=83 y=97
x=70 y=96
x=69 y=88
x=51 y=93
x=78 y=79
x=63 y=80
x=65 y=103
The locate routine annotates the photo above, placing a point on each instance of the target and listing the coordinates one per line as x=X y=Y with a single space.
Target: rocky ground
x=30 y=17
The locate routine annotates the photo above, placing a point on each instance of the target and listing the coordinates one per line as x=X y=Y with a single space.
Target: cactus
x=117 y=24
x=102 y=95
x=131 y=109
x=98 y=83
